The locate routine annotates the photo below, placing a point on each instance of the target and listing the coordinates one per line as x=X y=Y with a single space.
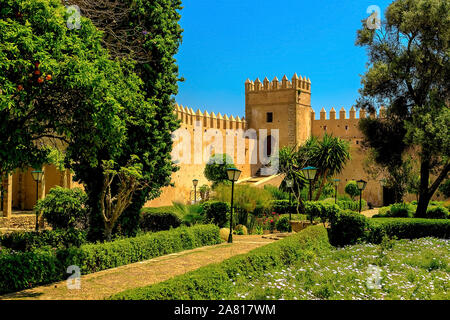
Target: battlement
x=296 y=82
x=343 y=114
x=208 y=120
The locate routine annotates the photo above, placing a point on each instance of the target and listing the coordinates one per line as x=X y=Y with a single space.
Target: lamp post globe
x=310 y=174
x=37 y=176
x=290 y=185
x=195 y=183
x=361 y=186
x=233 y=176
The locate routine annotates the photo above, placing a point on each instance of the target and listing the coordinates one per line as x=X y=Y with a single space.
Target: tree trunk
x=108 y=232
x=424 y=197
x=322 y=184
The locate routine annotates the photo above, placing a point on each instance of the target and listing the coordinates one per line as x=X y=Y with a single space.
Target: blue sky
x=226 y=42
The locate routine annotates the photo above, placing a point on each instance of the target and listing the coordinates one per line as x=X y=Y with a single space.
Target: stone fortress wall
x=289 y=103
x=283 y=105
x=222 y=125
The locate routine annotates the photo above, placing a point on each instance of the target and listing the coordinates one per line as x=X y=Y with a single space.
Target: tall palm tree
x=329 y=155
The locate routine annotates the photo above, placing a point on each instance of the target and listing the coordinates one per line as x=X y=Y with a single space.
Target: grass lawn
x=417 y=269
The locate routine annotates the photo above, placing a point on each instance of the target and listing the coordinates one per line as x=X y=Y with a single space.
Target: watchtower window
x=324 y=128
x=269 y=116
x=346 y=127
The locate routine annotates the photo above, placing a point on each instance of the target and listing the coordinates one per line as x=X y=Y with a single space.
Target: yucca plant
x=189 y=214
x=329 y=155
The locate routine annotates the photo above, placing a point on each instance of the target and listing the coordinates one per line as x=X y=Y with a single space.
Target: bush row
x=284 y=206
x=348 y=228
x=214 y=282
x=26 y=269
x=28 y=241
x=407 y=210
x=407 y=228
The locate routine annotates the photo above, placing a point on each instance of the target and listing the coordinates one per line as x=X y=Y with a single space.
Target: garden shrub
x=283 y=225
x=159 y=221
x=352 y=189
x=407 y=228
x=64 y=208
x=216 y=212
x=313 y=209
x=213 y=282
x=26 y=269
x=328 y=211
x=401 y=210
x=284 y=206
x=241 y=230
x=27 y=241
x=347 y=228
x=276 y=193
x=437 y=213
x=351 y=205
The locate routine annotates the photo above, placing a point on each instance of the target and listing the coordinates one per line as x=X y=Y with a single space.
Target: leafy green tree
x=47 y=78
x=147 y=32
x=216 y=168
x=352 y=189
x=408 y=72
x=329 y=155
x=61 y=86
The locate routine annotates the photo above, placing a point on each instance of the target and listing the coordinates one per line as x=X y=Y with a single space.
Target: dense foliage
x=408 y=72
x=29 y=241
x=61 y=87
x=216 y=212
x=64 y=208
x=348 y=228
x=158 y=221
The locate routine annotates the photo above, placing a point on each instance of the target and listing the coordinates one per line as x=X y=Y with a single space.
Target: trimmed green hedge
x=28 y=241
x=407 y=228
x=216 y=212
x=27 y=269
x=348 y=228
x=213 y=282
x=351 y=205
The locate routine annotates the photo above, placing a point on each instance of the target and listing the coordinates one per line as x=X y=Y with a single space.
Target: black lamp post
x=37 y=176
x=233 y=176
x=310 y=174
x=290 y=184
x=361 y=186
x=195 y=183
x=336 y=184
